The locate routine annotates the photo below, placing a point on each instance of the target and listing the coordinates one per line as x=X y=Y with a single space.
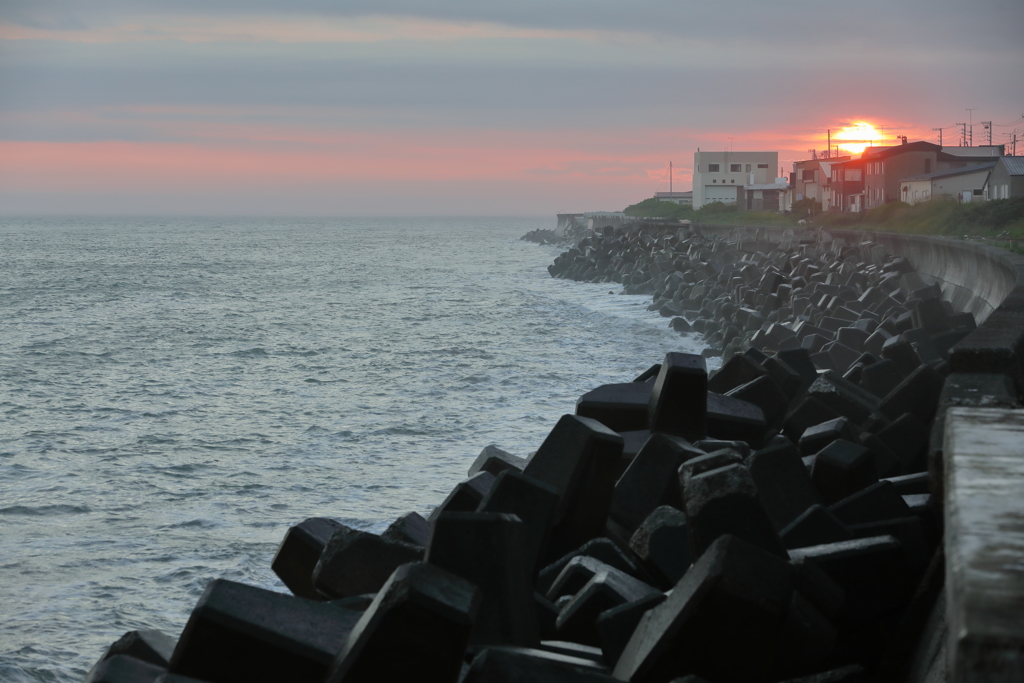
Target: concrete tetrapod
x=722 y=621
x=417 y=628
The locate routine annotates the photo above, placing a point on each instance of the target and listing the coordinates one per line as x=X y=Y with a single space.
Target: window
x=807 y=175
x=712 y=168
x=714 y=181
x=735 y=168
x=762 y=165
x=732 y=181
x=852 y=174
x=748 y=168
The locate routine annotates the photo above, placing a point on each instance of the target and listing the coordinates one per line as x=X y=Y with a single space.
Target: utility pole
x=828 y=154
x=970 y=112
x=963 y=136
x=670 y=177
x=940 y=135
x=988 y=126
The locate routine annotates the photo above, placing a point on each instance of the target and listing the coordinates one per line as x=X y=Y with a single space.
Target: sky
x=458 y=107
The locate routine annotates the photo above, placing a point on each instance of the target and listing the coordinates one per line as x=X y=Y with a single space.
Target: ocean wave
x=44 y=510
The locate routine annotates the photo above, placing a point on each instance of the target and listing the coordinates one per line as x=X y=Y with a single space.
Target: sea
x=175 y=393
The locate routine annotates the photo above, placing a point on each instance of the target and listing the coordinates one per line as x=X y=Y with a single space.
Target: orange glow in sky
x=857 y=137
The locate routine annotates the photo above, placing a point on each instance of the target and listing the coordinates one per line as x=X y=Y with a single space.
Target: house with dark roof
x=1006 y=179
x=881 y=169
x=963 y=184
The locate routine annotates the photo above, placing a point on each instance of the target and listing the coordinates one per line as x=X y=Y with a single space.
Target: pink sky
x=245 y=114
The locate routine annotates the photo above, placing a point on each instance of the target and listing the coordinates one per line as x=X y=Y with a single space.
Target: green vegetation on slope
x=938 y=217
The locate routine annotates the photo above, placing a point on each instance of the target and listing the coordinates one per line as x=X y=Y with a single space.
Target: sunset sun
x=856 y=137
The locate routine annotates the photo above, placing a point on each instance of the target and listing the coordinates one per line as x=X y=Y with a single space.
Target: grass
x=996 y=219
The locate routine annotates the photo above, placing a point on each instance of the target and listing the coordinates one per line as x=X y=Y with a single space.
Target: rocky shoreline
x=777 y=520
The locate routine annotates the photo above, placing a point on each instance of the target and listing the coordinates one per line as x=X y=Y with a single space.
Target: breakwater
x=647 y=537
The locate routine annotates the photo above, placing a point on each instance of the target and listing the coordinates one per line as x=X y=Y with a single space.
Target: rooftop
x=953 y=172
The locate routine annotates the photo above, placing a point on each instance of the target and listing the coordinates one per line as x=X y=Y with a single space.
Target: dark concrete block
x=842 y=468
x=620 y=407
x=411 y=528
x=871 y=571
x=416 y=629
x=495 y=460
x=247 y=634
x=908 y=531
x=615 y=626
x=602 y=549
x=730 y=418
x=490 y=551
x=609 y=588
x=818 y=436
x=649 y=374
x=678 y=402
x=907 y=438
x=575 y=575
x=708 y=462
x=872 y=504
x=826 y=595
x=766 y=394
x=800 y=361
x=852 y=673
x=736 y=371
x=632 y=442
x=813 y=344
x=356 y=562
x=571 y=649
x=723 y=620
x=662 y=544
x=299 y=552
x=842 y=397
x=881 y=378
x=917 y=394
x=823 y=360
x=843 y=356
x=806 y=642
x=650 y=480
x=149 y=645
x=900 y=352
x=547 y=615
x=725 y=502
x=807 y=413
x=814 y=526
x=789 y=380
x=909 y=484
x=580 y=459
x=930 y=315
x=712 y=445
x=531 y=501
x=783 y=484
x=876 y=340
x=465 y=497
x=123 y=668
x=519 y=665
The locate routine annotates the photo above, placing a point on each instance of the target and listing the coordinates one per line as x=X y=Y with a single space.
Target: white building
x=724 y=176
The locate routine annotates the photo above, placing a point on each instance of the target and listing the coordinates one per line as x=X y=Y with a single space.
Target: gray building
x=964 y=184
x=1006 y=179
